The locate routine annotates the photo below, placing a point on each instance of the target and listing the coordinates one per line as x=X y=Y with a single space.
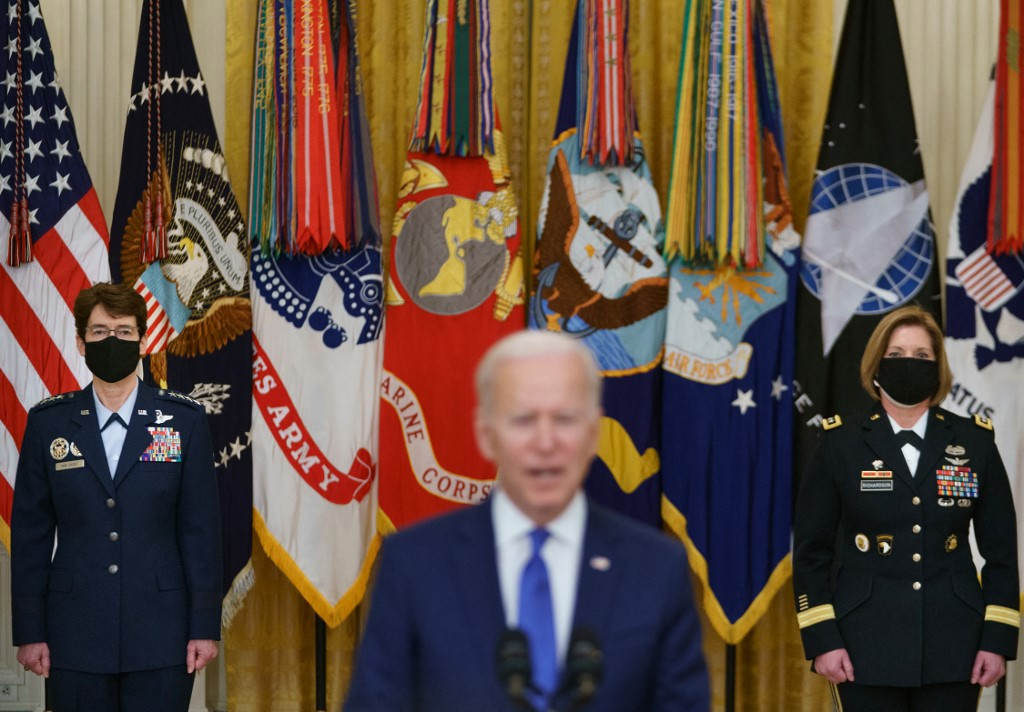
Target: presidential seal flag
x=985 y=309
x=179 y=238
x=730 y=337
x=55 y=237
x=456 y=275
x=869 y=245
x=317 y=351
x=598 y=271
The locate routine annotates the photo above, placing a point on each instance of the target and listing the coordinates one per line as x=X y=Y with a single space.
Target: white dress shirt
x=114 y=436
x=561 y=552
x=910 y=453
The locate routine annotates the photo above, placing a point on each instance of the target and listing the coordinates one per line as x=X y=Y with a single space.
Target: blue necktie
x=537 y=619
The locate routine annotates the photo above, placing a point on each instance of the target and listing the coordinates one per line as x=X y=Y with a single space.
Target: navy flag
x=599 y=274
x=869 y=246
x=176 y=209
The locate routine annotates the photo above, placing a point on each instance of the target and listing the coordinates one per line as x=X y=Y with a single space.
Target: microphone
x=514 y=669
x=584 y=666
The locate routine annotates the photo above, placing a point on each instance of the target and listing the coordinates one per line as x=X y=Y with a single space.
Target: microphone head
x=584 y=665
x=513 y=659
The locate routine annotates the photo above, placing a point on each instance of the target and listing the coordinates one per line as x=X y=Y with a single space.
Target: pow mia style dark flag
x=869 y=246
x=178 y=236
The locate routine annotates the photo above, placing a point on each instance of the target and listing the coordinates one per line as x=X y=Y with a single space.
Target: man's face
x=541 y=432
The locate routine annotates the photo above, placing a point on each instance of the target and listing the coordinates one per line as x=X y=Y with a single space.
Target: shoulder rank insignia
x=831 y=422
x=180 y=396
x=983 y=422
x=55 y=399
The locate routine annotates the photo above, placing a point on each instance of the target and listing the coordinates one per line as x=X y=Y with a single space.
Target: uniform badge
x=166 y=446
x=161 y=418
x=59 y=448
x=70 y=465
x=875 y=474
x=876 y=485
x=84 y=411
x=600 y=563
x=963 y=502
x=950 y=543
x=946 y=501
x=75 y=451
x=957 y=461
x=141 y=411
x=957 y=482
x=955 y=450
x=877 y=464
x=884 y=542
x=862 y=542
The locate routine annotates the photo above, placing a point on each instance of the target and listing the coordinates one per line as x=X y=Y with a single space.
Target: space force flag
x=54 y=237
x=178 y=237
x=730 y=341
x=599 y=274
x=317 y=357
x=985 y=310
x=869 y=245
x=456 y=277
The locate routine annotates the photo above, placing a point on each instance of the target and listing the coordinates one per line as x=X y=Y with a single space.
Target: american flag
x=40 y=161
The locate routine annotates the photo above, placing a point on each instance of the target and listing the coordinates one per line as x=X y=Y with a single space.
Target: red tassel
x=19 y=242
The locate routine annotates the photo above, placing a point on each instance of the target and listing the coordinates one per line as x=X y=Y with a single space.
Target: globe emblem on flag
x=908 y=270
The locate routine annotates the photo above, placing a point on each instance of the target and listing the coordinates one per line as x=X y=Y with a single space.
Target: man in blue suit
x=538 y=557
x=127 y=607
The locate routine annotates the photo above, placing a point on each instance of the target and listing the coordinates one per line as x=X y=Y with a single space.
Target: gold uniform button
x=916 y=529
x=917 y=557
x=111 y=503
x=916 y=500
x=917 y=585
x=113 y=536
x=112 y=568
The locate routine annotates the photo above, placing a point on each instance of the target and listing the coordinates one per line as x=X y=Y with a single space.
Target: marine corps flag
x=456 y=273
x=179 y=238
x=869 y=245
x=730 y=338
x=316 y=347
x=599 y=275
x=985 y=310
x=53 y=237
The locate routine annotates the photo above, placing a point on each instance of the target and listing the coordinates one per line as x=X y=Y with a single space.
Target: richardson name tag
x=874 y=474
x=876 y=485
x=70 y=465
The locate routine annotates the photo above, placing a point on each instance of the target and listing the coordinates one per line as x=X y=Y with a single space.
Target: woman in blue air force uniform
x=888 y=599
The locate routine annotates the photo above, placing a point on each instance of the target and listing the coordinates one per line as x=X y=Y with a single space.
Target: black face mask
x=908 y=381
x=111 y=359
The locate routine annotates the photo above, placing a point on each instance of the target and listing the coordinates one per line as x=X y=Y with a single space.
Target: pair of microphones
x=584 y=666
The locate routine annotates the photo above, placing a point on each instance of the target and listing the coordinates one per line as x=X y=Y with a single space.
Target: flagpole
x=320 y=663
x=730 y=677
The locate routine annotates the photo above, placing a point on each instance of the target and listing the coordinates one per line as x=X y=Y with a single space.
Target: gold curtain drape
x=269 y=647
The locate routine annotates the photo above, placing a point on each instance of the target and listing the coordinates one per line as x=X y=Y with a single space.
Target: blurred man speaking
x=603 y=605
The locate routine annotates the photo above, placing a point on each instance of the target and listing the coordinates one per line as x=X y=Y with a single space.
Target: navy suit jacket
x=137 y=569
x=436 y=618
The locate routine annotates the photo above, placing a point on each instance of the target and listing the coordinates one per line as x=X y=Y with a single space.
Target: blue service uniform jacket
x=882 y=564
x=136 y=572
x=436 y=618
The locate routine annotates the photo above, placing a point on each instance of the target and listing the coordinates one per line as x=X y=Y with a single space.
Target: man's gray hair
x=530 y=343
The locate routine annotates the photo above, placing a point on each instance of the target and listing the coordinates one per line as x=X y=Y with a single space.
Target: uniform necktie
x=537 y=619
x=114 y=418
x=909 y=437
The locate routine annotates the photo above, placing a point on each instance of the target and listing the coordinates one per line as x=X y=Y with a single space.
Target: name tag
x=70 y=465
x=876 y=485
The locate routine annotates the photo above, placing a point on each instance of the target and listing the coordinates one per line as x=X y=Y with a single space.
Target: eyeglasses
x=121 y=332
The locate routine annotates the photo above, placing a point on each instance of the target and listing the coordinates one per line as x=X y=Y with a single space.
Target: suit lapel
x=85 y=434
x=601 y=572
x=475 y=562
x=879 y=437
x=138 y=437
x=937 y=436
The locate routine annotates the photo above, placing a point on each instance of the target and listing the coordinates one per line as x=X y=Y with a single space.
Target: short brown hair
x=874 y=352
x=118 y=299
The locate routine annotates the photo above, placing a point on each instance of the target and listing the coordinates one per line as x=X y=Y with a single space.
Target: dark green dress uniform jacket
x=136 y=572
x=882 y=565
